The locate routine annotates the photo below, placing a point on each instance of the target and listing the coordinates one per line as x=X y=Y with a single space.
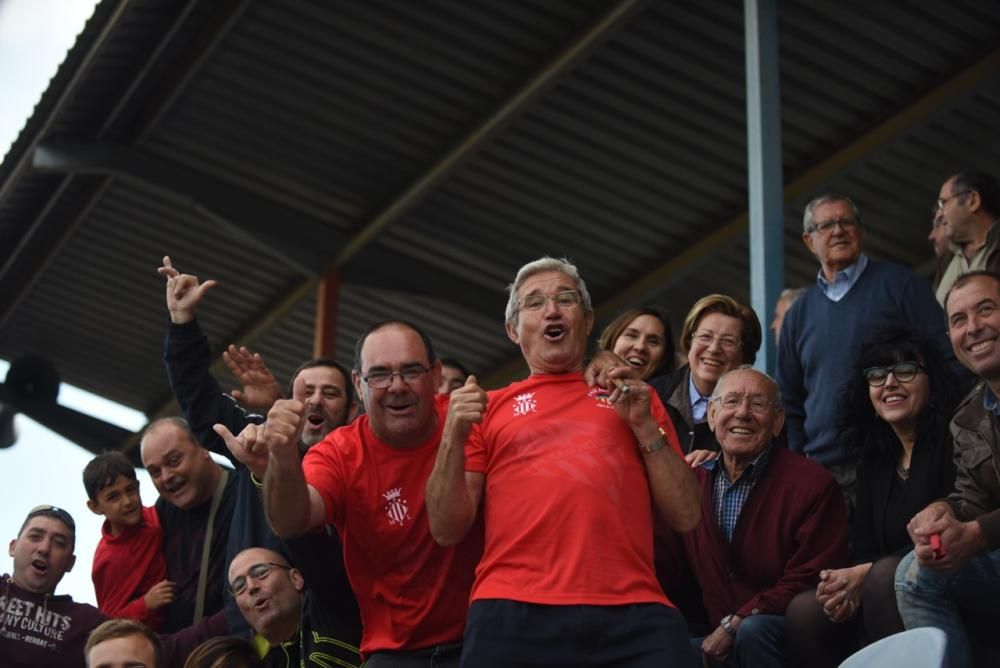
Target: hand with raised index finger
x=184 y=292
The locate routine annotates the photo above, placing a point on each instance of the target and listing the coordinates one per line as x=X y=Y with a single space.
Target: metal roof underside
x=427 y=150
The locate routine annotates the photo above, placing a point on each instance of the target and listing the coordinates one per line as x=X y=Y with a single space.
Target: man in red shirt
x=568 y=477
x=368 y=480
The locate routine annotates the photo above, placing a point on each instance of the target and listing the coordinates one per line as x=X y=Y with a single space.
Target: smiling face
x=553 y=339
x=119 y=502
x=181 y=470
x=974 y=327
x=642 y=344
x=708 y=361
x=741 y=432
x=402 y=414
x=323 y=390
x=900 y=404
x=840 y=246
x=42 y=554
x=270 y=605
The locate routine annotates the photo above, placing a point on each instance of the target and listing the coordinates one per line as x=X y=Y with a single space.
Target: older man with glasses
x=568 y=477
x=367 y=479
x=818 y=346
x=969 y=204
x=299 y=619
x=771 y=521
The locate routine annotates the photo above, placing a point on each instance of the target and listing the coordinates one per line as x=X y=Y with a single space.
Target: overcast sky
x=43 y=467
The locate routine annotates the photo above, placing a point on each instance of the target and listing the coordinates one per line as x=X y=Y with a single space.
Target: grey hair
x=749 y=367
x=546 y=263
x=828 y=198
x=792 y=294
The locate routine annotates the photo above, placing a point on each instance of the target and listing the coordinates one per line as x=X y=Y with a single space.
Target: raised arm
x=671 y=481
x=259 y=387
x=453 y=495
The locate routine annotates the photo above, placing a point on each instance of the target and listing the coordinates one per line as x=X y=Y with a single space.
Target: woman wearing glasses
x=719 y=334
x=643 y=338
x=896 y=416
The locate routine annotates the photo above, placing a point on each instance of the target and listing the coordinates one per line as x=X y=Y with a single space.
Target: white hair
x=538 y=266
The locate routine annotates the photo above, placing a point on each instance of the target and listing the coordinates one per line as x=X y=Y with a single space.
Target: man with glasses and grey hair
x=568 y=477
x=969 y=204
x=819 y=339
x=771 y=521
x=367 y=479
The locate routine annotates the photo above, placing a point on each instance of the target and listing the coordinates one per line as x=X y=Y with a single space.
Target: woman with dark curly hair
x=896 y=414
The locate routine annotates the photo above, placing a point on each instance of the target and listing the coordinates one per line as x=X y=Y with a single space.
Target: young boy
x=129 y=569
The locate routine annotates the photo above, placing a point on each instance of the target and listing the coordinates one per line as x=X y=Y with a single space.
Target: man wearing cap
x=39 y=628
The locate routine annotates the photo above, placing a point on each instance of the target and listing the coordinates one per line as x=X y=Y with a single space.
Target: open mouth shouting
x=554 y=333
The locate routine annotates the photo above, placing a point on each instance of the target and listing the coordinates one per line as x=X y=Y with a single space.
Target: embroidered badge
x=525 y=403
x=396 y=507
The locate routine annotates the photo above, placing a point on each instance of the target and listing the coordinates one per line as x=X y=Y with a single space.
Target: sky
x=42 y=467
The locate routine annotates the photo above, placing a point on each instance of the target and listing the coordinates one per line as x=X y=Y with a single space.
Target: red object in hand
x=937 y=550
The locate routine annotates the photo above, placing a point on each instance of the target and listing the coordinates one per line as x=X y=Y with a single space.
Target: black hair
x=982 y=183
x=325 y=362
x=455 y=364
x=379 y=325
x=103 y=470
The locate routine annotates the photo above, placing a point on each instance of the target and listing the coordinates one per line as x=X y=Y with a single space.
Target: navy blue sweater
x=820 y=343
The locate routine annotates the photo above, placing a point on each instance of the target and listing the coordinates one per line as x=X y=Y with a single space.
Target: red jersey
x=412 y=592
x=567 y=507
x=126 y=566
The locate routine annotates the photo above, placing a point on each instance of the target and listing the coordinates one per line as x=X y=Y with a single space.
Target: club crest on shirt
x=525 y=403
x=396 y=507
x=602 y=396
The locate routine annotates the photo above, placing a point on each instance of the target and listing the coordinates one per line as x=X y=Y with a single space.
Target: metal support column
x=767 y=261
x=327 y=301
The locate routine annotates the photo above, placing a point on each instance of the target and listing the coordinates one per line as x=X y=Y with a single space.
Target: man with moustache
x=368 y=480
x=568 y=477
x=321 y=384
x=969 y=203
x=957 y=577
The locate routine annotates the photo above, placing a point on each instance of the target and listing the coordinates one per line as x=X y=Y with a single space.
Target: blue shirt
x=843 y=280
x=699 y=404
x=729 y=497
x=990 y=401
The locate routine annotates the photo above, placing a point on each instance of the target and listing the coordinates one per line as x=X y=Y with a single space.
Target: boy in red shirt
x=129 y=570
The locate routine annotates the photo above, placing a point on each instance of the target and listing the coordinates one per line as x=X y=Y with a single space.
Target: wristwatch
x=727 y=624
x=658 y=444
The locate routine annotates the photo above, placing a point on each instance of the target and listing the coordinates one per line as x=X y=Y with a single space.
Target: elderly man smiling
x=568 y=477
x=771 y=521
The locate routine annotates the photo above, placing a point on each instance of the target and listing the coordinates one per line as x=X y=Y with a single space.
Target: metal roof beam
x=410 y=196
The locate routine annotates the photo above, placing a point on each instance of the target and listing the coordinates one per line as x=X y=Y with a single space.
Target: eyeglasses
x=826 y=227
x=56 y=512
x=904 y=373
x=258 y=572
x=758 y=404
x=727 y=343
x=380 y=379
x=563 y=300
x=944 y=200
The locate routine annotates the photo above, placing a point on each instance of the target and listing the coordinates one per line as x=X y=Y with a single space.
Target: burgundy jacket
x=792 y=526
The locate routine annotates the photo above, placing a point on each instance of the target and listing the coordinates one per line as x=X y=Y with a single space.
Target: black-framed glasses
x=826 y=227
x=944 y=200
x=381 y=379
x=258 y=572
x=758 y=404
x=563 y=300
x=46 y=510
x=904 y=373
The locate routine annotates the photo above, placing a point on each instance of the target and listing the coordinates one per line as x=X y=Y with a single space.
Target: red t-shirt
x=126 y=566
x=412 y=592
x=567 y=506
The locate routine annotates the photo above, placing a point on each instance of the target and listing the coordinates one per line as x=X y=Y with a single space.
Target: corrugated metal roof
x=435 y=147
